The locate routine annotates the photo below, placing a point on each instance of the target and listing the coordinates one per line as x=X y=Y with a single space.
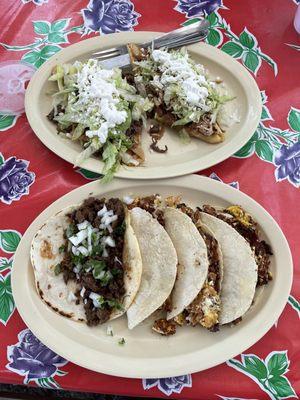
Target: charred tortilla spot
x=49 y=287
x=46 y=250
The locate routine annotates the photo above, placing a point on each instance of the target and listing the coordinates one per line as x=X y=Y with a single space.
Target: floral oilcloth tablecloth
x=260 y=35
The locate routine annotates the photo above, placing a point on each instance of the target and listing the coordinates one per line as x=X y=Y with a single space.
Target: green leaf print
x=7 y=121
x=190 y=21
x=265 y=114
x=1 y=159
x=269 y=374
x=278 y=364
x=294 y=304
x=280 y=387
x=247 y=150
x=32 y=57
x=255 y=366
x=7 y=305
x=212 y=19
x=55 y=37
x=5 y=264
x=252 y=61
x=60 y=25
x=41 y=27
x=247 y=39
x=9 y=240
x=233 y=49
x=48 y=51
x=294 y=119
x=37 y=58
x=264 y=150
x=214 y=37
x=88 y=174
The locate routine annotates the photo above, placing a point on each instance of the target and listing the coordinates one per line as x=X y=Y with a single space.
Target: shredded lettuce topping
x=187 y=90
x=96 y=107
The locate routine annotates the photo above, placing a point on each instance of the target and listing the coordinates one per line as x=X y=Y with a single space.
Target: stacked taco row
x=146 y=255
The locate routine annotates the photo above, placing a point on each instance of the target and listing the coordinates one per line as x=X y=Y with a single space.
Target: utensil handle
x=196 y=30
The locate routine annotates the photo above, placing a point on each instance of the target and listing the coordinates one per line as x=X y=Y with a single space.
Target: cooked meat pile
x=112 y=291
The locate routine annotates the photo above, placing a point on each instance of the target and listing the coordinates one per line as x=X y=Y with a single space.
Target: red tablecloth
x=261 y=36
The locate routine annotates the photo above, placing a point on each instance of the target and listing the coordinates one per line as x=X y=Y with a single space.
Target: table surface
x=261 y=36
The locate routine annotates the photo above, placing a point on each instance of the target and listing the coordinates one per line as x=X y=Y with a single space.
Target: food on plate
x=159 y=262
x=195 y=298
x=99 y=109
x=150 y=256
x=239 y=270
x=192 y=259
x=205 y=307
x=86 y=260
x=105 y=110
x=243 y=223
x=184 y=97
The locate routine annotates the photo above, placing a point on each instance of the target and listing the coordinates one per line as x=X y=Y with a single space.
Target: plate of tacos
x=152 y=279
x=172 y=113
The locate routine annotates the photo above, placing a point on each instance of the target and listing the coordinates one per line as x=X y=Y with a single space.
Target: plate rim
x=157 y=172
x=170 y=365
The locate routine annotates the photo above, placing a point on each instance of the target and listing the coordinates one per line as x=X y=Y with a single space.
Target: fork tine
x=106 y=51
x=106 y=56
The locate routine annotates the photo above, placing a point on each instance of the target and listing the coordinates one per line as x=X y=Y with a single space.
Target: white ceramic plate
x=180 y=159
x=147 y=354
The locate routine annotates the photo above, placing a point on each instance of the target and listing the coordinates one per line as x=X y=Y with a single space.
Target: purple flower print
x=15 y=179
x=287 y=161
x=169 y=385
x=32 y=359
x=197 y=8
x=108 y=16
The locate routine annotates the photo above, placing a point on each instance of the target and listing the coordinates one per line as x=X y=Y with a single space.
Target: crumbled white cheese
x=179 y=71
x=99 y=98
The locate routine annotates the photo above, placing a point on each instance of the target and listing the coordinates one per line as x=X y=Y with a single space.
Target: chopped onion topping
x=128 y=200
x=82 y=291
x=83 y=225
x=110 y=241
x=102 y=211
x=71 y=297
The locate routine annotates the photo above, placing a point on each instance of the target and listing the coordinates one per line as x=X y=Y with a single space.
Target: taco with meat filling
x=159 y=260
x=86 y=261
x=195 y=296
x=240 y=272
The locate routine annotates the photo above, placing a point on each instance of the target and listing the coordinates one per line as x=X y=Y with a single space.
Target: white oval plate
x=147 y=354
x=180 y=159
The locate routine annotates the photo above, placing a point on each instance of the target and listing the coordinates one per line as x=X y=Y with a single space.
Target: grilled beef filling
x=109 y=283
x=150 y=204
x=243 y=223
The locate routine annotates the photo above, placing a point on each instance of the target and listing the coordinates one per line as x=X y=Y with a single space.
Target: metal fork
x=119 y=56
